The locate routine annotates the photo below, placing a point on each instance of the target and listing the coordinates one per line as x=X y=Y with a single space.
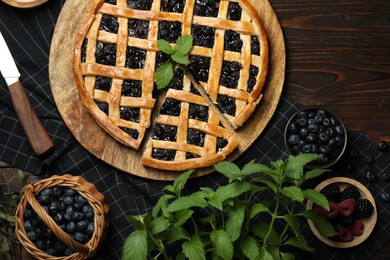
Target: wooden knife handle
x=36 y=134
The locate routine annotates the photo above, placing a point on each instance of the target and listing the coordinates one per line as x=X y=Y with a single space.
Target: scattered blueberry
x=386 y=176
x=385 y=196
x=369 y=159
x=371 y=177
x=383 y=146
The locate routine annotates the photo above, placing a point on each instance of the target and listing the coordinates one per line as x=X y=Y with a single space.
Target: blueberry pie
x=189 y=125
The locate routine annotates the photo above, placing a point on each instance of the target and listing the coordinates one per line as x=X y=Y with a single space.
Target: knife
x=36 y=134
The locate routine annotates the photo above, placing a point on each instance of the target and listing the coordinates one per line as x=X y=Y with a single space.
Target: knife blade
x=33 y=128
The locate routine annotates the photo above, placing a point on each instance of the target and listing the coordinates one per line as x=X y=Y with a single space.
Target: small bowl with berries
x=319 y=131
x=62 y=217
x=352 y=211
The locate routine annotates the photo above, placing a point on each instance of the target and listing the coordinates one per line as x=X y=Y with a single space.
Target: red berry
x=357 y=228
x=333 y=210
x=344 y=234
x=347 y=207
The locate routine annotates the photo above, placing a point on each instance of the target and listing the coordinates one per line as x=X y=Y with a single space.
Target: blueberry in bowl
x=316 y=130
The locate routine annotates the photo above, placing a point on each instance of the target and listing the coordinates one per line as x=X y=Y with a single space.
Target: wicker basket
x=84 y=188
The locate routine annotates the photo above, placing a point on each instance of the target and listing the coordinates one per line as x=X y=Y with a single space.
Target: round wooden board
x=93 y=138
x=25 y=3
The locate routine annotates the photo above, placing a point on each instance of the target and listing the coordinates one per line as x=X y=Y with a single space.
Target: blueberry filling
x=198 y=112
x=163 y=154
x=173 y=6
x=221 y=143
x=103 y=106
x=84 y=50
x=132 y=132
x=135 y=58
x=130 y=113
x=103 y=83
x=169 y=31
x=195 y=137
x=199 y=67
x=138 y=28
x=140 y=4
x=105 y=53
x=161 y=58
x=132 y=88
x=177 y=81
x=208 y=8
x=109 y=23
x=253 y=71
x=226 y=104
x=255 y=45
x=230 y=74
x=191 y=156
x=203 y=35
x=113 y=2
x=165 y=132
x=232 y=41
x=234 y=11
x=171 y=107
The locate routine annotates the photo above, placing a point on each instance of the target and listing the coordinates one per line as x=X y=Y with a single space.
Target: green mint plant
x=241 y=216
x=164 y=73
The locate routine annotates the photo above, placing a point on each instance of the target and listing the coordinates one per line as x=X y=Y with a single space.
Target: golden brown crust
x=245 y=100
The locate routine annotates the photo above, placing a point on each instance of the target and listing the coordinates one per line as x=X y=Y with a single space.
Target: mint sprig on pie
x=193 y=123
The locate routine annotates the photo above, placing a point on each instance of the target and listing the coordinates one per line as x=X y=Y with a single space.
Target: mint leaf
x=317 y=198
x=175 y=234
x=136 y=246
x=295 y=164
x=184 y=44
x=180 y=181
x=193 y=249
x=194 y=200
x=236 y=216
x=228 y=169
x=315 y=173
x=159 y=225
x=164 y=75
x=182 y=216
x=165 y=47
x=222 y=243
x=322 y=225
x=231 y=190
x=293 y=193
x=161 y=205
x=140 y=221
x=249 y=247
x=180 y=58
x=260 y=230
x=256 y=209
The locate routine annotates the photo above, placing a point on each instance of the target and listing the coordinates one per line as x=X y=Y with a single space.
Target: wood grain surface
x=338 y=57
x=92 y=137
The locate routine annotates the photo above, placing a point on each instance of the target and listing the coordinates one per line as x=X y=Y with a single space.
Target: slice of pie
x=116 y=57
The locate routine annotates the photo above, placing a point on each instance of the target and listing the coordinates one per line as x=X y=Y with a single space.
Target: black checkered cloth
x=29 y=33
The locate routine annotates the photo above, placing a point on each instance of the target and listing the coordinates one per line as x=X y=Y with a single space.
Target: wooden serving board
x=93 y=138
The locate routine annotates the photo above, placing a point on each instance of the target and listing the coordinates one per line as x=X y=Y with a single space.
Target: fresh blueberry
x=339 y=129
x=383 y=146
x=385 y=196
x=293 y=139
x=386 y=176
x=303 y=131
x=88 y=211
x=371 y=177
x=68 y=200
x=27 y=225
x=71 y=227
x=369 y=159
x=80 y=237
x=90 y=229
x=81 y=225
x=32 y=235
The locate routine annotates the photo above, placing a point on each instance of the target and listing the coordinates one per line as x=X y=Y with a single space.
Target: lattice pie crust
x=193 y=123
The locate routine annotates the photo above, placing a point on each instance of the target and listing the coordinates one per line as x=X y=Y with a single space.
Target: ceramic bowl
x=316 y=130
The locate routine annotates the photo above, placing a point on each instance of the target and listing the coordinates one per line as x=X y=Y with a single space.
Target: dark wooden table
x=338 y=57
